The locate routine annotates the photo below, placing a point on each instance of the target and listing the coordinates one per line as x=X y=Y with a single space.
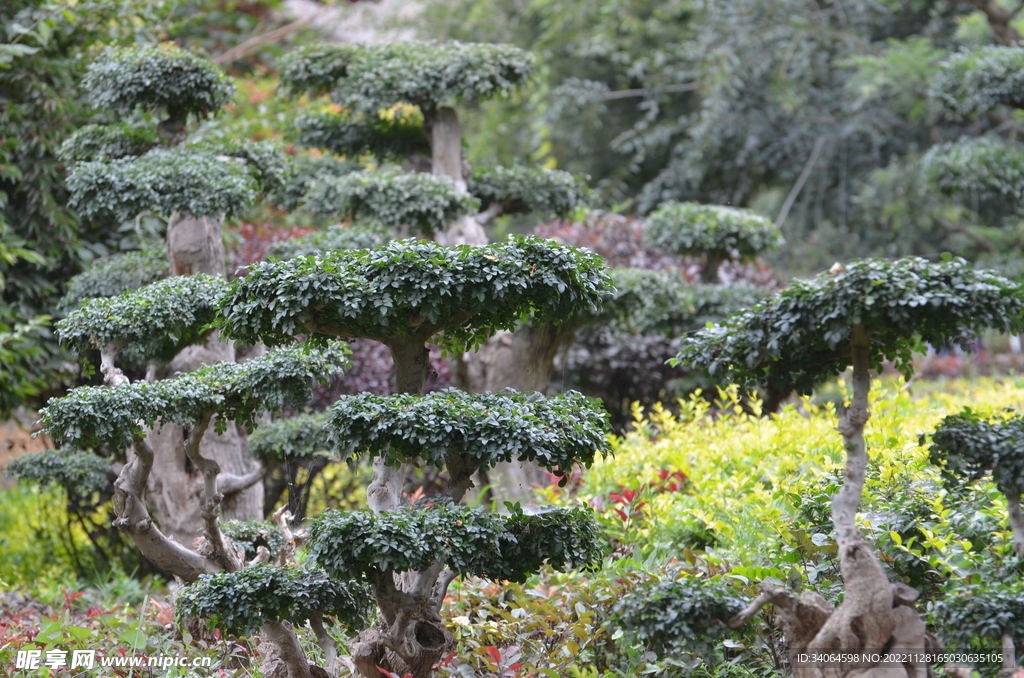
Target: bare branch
x=241 y=49
x=631 y=93
x=801 y=180
x=112 y=376
x=488 y=215
x=441 y=588
x=209 y=509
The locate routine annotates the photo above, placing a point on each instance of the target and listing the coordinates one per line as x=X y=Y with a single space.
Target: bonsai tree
x=713 y=232
x=119 y=171
x=969 y=447
x=853 y=316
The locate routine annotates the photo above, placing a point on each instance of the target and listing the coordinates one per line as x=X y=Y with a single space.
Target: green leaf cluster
x=162 y=77
x=240 y=602
x=391 y=198
x=967 y=446
x=305 y=170
x=292 y=438
x=77 y=471
x=265 y=160
x=801 y=336
x=414 y=289
x=251 y=534
x=690 y=228
x=969 y=83
x=111 y=142
x=486 y=428
x=978 y=167
x=156 y=321
x=351 y=135
x=523 y=189
x=674 y=615
x=112 y=276
x=368 y=78
x=337 y=237
x=988 y=611
x=164 y=180
x=469 y=541
x=234 y=392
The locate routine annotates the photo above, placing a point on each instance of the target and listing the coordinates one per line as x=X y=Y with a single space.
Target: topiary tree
x=403 y=294
x=713 y=232
x=855 y=315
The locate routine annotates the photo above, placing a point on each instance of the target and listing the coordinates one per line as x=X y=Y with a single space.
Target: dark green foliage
x=977 y=167
x=265 y=160
x=112 y=276
x=800 y=337
x=681 y=615
x=487 y=428
x=466 y=540
x=164 y=180
x=157 y=320
x=968 y=446
x=972 y=83
x=240 y=602
x=337 y=237
x=251 y=534
x=368 y=78
x=98 y=414
x=353 y=135
x=963 y=616
x=76 y=471
x=304 y=172
x=522 y=189
x=111 y=142
x=693 y=229
x=414 y=289
x=161 y=77
x=391 y=198
x=299 y=437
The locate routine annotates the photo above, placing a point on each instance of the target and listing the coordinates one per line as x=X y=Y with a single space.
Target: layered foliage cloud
x=977 y=167
x=352 y=135
x=690 y=228
x=522 y=189
x=968 y=446
x=112 y=276
x=368 y=78
x=299 y=437
x=970 y=83
x=468 y=541
x=414 y=289
x=801 y=337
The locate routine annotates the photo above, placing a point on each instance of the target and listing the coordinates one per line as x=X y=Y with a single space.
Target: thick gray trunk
x=195 y=245
x=446 y=161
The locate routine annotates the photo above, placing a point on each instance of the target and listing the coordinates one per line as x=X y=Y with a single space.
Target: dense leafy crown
x=990 y=611
x=392 y=198
x=304 y=172
x=688 y=615
x=111 y=276
x=243 y=601
x=252 y=534
x=968 y=446
x=368 y=78
x=157 y=77
x=971 y=83
x=111 y=142
x=469 y=541
x=801 y=336
x=337 y=237
x=522 y=189
x=662 y=302
x=236 y=392
x=299 y=437
x=414 y=289
x=164 y=180
x=264 y=160
x=77 y=471
x=157 y=320
x=487 y=428
x=979 y=167
x=690 y=228
x=358 y=134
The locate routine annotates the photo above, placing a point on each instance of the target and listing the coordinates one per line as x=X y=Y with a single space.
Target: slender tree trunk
x=712 y=262
x=1016 y=522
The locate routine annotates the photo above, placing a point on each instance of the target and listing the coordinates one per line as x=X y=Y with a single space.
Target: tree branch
x=441 y=589
x=241 y=49
x=631 y=93
x=209 y=509
x=800 y=181
x=983 y=242
x=493 y=211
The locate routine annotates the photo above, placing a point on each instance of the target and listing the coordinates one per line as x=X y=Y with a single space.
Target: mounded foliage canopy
x=368 y=78
x=980 y=611
x=968 y=446
x=163 y=77
x=694 y=229
x=241 y=602
x=77 y=471
x=468 y=541
x=299 y=437
x=109 y=142
x=352 y=135
x=485 y=428
x=112 y=276
x=235 y=392
x=523 y=189
x=252 y=534
x=305 y=170
x=391 y=198
x=414 y=289
x=970 y=83
x=801 y=336
x=157 y=320
x=982 y=167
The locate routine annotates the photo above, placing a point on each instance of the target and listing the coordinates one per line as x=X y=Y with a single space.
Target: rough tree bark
x=876 y=615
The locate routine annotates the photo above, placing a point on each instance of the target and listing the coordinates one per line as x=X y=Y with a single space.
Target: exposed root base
x=425 y=643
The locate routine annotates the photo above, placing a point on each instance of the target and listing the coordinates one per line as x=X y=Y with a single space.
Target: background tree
x=854 y=315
